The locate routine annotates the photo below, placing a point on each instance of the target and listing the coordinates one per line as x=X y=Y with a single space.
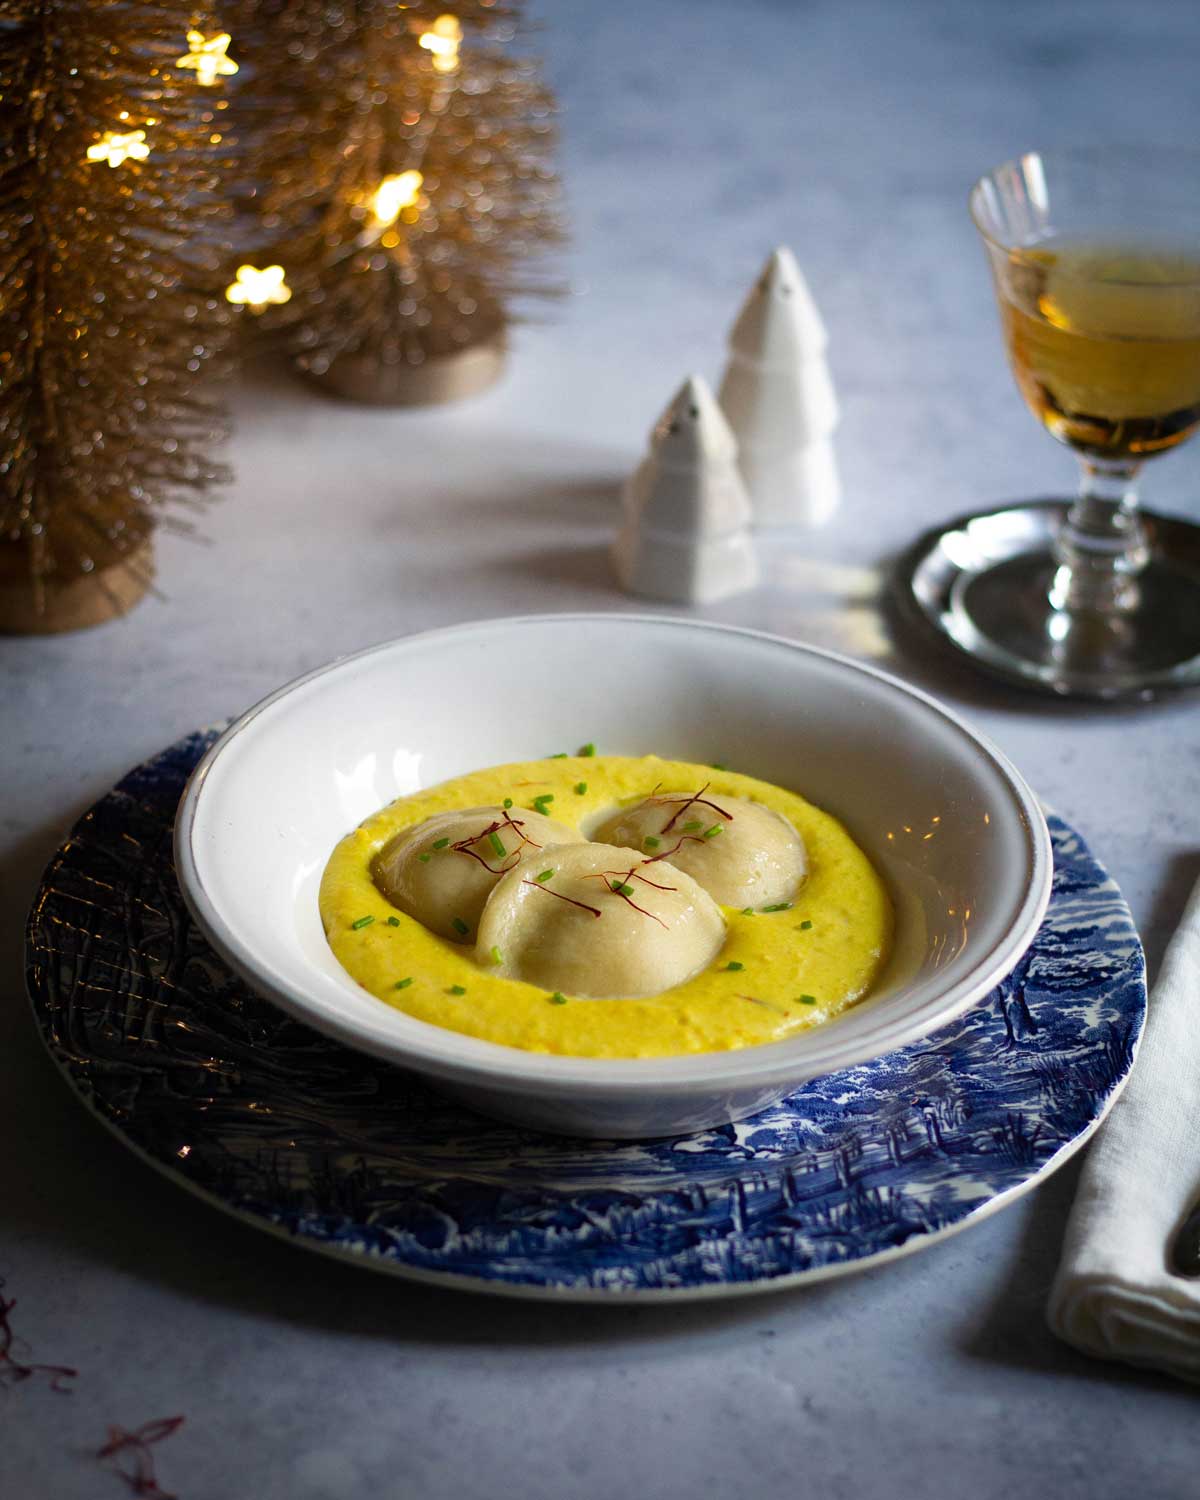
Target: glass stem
x=1102 y=546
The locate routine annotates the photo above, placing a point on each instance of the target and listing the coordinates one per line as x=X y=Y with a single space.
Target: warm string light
x=207 y=56
x=400 y=194
x=257 y=289
x=406 y=231
x=443 y=40
x=114 y=344
x=394 y=194
x=114 y=147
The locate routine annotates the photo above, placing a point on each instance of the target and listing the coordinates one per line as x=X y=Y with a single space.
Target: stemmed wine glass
x=1095 y=256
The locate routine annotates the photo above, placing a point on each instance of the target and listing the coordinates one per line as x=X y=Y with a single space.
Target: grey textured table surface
x=698 y=135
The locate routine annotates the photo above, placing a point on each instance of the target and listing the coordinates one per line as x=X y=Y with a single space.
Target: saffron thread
x=138 y=1470
x=623 y=889
x=558 y=895
x=692 y=801
x=766 y=1004
x=12 y=1371
x=491 y=834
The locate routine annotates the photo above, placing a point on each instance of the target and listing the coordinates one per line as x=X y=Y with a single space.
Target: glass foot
x=984 y=584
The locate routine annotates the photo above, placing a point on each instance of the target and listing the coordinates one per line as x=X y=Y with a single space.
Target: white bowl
x=947 y=821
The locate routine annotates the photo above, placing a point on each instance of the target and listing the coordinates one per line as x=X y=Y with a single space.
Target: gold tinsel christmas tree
x=112 y=146
x=401 y=187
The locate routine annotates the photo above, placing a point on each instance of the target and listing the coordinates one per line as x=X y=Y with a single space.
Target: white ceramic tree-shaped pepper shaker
x=778 y=396
x=685 y=536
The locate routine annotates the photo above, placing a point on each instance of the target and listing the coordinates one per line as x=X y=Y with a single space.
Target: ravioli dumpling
x=443 y=870
x=587 y=919
x=742 y=853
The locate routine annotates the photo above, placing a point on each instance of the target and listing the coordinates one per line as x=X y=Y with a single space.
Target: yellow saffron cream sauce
x=799 y=967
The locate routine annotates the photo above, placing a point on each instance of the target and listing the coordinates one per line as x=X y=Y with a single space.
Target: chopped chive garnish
x=496 y=956
x=718 y=765
x=651 y=842
x=459 y=926
x=621 y=888
x=558 y=998
x=804 y=926
x=711 y=833
x=424 y=858
x=558 y=755
x=361 y=922
x=747 y=911
x=440 y=843
x=402 y=984
x=393 y=921
x=497 y=844
x=733 y=967
x=539 y=803
x=588 y=749
x=543 y=877
x=808 y=999
x=692 y=826
x=507 y=803
x=779 y=906
x=456 y=989
x=581 y=788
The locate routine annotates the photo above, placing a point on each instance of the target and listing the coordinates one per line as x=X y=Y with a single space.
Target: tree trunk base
x=446 y=377
x=76 y=603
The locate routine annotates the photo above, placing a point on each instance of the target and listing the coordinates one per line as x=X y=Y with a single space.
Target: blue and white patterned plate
x=350 y=1156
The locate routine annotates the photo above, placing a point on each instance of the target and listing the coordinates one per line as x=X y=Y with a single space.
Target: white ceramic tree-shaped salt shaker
x=685 y=536
x=778 y=396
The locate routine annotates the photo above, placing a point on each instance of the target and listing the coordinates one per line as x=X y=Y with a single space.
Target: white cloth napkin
x=1115 y=1295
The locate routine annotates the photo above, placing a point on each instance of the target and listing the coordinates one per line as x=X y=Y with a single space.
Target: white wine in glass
x=1095 y=256
x=1105 y=343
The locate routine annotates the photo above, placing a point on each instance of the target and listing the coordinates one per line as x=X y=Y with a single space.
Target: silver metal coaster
x=982 y=581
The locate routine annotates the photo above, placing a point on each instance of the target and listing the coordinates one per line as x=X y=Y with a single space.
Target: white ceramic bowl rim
x=463 y=1059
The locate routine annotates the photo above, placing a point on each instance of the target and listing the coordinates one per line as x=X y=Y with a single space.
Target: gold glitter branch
x=111 y=156
x=401 y=161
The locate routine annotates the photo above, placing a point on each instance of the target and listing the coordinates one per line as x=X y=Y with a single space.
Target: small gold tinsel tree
x=111 y=145
x=401 y=156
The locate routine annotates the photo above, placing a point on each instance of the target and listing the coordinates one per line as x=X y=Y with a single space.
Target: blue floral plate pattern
x=345 y=1154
